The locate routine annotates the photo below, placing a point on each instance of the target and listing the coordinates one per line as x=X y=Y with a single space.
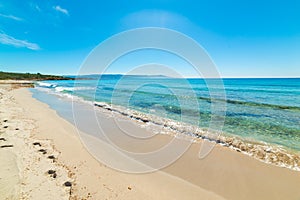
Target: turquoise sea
x=257 y=109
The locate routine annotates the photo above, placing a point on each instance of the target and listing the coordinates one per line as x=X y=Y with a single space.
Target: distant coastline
x=41 y=77
x=31 y=77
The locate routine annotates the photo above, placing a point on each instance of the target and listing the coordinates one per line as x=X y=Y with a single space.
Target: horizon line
x=195 y=77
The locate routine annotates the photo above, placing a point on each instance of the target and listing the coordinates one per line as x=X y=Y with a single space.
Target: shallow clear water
x=266 y=110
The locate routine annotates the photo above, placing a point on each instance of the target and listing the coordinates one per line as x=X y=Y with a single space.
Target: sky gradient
x=244 y=38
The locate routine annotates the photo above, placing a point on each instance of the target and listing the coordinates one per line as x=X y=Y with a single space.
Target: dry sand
x=23 y=168
x=224 y=174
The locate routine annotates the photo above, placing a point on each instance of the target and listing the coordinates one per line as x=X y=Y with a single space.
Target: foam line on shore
x=267 y=153
x=271 y=154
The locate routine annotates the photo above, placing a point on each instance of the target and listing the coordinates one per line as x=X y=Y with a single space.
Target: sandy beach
x=149 y=100
x=41 y=141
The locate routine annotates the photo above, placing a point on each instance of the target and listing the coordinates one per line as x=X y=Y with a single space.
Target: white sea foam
x=70 y=89
x=43 y=84
x=60 y=88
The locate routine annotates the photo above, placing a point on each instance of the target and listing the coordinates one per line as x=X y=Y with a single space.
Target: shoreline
x=93 y=180
x=262 y=151
x=224 y=174
x=225 y=158
x=265 y=152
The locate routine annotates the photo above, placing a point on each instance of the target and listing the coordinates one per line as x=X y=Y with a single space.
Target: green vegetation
x=28 y=76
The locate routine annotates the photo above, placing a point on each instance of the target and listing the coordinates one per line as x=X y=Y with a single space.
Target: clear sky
x=244 y=38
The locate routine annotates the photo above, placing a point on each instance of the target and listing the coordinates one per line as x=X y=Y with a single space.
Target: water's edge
x=271 y=154
x=264 y=152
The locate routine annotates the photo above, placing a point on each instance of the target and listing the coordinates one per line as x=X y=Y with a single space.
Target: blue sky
x=244 y=38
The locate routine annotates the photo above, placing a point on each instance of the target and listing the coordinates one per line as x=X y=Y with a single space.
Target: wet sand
x=223 y=174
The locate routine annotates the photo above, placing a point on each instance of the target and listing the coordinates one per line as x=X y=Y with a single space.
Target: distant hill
x=31 y=77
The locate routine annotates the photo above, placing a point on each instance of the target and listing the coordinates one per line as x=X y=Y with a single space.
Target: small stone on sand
x=51 y=157
x=68 y=184
x=43 y=151
x=51 y=171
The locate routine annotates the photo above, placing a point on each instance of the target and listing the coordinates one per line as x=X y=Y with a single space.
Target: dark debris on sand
x=51 y=171
x=5 y=146
x=68 y=184
x=37 y=144
x=51 y=157
x=43 y=151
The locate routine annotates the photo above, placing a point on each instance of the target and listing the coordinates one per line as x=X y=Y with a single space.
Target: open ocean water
x=257 y=109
